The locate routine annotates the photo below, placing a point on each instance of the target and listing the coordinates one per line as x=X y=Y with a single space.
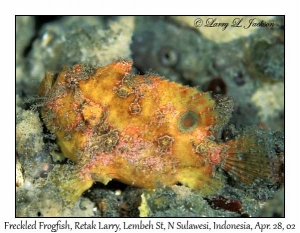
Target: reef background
x=247 y=65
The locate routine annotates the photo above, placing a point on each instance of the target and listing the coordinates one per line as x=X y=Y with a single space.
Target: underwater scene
x=150 y=116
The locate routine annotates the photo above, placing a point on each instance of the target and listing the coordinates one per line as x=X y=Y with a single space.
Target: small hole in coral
x=217 y=86
x=39 y=214
x=168 y=57
x=179 y=184
x=239 y=79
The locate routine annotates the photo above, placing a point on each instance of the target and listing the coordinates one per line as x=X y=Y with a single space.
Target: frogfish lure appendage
x=144 y=130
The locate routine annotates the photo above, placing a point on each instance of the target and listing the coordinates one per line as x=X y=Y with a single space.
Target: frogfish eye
x=187 y=122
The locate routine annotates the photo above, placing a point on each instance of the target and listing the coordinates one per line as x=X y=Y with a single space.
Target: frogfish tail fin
x=70 y=182
x=252 y=157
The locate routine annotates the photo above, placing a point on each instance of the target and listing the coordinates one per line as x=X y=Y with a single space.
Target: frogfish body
x=144 y=130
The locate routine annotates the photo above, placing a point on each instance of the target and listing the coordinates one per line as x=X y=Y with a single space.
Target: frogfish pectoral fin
x=252 y=158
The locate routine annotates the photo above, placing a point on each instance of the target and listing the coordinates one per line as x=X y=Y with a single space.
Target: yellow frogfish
x=144 y=130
